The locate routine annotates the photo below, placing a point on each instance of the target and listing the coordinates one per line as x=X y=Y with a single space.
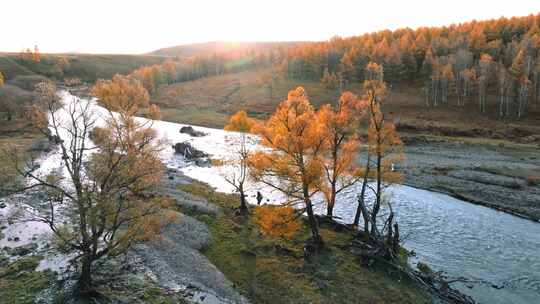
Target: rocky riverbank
x=175 y=258
x=503 y=177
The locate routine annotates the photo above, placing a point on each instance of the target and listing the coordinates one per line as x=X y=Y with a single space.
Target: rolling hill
x=219 y=47
x=87 y=67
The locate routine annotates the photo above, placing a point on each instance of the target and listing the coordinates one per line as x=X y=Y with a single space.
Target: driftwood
x=436 y=283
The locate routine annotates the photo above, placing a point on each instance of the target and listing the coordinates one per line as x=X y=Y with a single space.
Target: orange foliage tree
x=36 y=56
x=107 y=184
x=385 y=149
x=340 y=126
x=277 y=221
x=240 y=122
x=294 y=165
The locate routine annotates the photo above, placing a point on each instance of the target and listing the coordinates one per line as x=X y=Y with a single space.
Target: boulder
x=188 y=151
x=41 y=145
x=191 y=132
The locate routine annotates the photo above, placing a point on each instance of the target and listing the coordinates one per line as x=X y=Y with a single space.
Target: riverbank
x=19 y=134
x=499 y=175
x=265 y=270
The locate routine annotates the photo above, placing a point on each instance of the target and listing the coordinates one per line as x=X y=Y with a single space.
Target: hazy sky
x=138 y=26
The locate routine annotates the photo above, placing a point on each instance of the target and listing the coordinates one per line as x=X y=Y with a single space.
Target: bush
x=27 y=82
x=13 y=100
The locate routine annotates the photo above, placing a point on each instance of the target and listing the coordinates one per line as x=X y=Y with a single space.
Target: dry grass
x=18 y=133
x=209 y=102
x=274 y=271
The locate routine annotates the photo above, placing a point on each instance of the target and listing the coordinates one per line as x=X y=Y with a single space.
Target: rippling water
x=482 y=244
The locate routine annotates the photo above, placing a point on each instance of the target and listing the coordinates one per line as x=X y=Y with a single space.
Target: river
x=500 y=252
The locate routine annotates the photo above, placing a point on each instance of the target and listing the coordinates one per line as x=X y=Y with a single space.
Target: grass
x=17 y=133
x=274 y=271
x=20 y=284
x=87 y=67
x=133 y=289
x=209 y=101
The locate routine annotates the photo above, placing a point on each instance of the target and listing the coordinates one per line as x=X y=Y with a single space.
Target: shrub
x=27 y=82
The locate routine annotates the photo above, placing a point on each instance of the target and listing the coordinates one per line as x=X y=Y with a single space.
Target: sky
x=140 y=26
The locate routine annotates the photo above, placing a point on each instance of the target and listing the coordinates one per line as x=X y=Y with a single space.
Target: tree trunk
x=361 y=209
x=331 y=203
x=243 y=202
x=85 y=279
x=316 y=239
x=378 y=195
x=395 y=243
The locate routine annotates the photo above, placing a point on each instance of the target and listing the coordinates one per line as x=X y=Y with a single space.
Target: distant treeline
x=461 y=62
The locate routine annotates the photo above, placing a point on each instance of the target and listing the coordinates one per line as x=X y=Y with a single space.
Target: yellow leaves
x=1 y=79
x=37 y=116
x=293 y=128
x=277 y=221
x=486 y=58
x=329 y=80
x=169 y=66
x=154 y=112
x=240 y=122
x=296 y=137
x=121 y=94
x=46 y=95
x=374 y=71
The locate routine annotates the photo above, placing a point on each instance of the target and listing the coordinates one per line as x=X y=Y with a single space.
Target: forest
x=456 y=64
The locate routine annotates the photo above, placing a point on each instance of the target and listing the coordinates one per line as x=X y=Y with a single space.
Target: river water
x=498 y=251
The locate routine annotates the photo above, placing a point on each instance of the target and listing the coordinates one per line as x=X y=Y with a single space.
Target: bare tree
x=106 y=185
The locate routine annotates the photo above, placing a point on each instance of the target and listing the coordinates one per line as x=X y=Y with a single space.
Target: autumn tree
x=294 y=165
x=277 y=221
x=505 y=84
x=447 y=78
x=106 y=184
x=1 y=79
x=329 y=80
x=241 y=123
x=346 y=66
x=62 y=65
x=384 y=152
x=468 y=77
x=520 y=70
x=341 y=128
x=486 y=63
x=36 y=55
x=536 y=81
x=463 y=60
x=169 y=67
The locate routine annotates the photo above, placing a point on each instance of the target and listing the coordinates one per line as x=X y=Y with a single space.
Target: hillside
x=219 y=47
x=87 y=67
x=210 y=101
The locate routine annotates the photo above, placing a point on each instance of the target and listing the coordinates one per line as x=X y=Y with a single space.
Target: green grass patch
x=20 y=284
x=197 y=116
x=274 y=271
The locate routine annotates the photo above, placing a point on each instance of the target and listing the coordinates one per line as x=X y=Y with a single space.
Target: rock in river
x=189 y=152
x=191 y=131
